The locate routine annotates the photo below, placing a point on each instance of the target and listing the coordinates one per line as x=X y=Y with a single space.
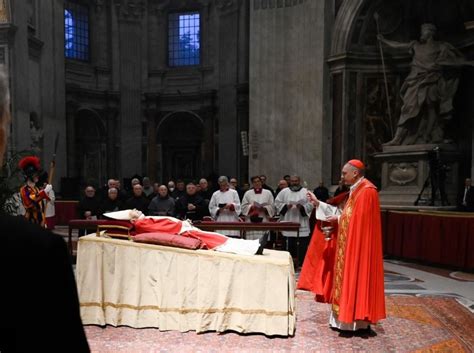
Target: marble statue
x=428 y=90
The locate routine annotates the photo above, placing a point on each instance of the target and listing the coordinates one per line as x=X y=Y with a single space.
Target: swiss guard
x=31 y=196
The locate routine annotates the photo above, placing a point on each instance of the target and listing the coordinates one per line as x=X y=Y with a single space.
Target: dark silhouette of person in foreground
x=39 y=305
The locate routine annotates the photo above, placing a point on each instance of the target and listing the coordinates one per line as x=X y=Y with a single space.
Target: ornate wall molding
x=99 y=5
x=162 y=7
x=130 y=9
x=227 y=6
x=34 y=47
x=94 y=99
x=7 y=33
x=274 y=4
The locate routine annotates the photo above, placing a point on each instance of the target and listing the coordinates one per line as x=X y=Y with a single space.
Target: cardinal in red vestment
x=357 y=293
x=318 y=268
x=347 y=271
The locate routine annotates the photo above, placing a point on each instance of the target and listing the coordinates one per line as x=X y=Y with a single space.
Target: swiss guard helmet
x=30 y=166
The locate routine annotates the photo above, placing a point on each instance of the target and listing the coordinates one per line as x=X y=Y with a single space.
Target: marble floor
x=404 y=278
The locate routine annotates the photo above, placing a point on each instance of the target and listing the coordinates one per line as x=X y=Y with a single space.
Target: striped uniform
x=32 y=199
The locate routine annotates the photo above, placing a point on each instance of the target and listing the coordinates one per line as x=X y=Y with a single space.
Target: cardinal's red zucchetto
x=356 y=163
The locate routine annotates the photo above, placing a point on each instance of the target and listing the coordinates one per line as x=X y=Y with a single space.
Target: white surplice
x=287 y=196
x=225 y=215
x=265 y=198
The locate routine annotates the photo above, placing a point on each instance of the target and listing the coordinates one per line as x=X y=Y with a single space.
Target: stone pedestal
x=406 y=169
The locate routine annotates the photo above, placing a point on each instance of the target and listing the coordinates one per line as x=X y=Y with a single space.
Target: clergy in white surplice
x=257 y=206
x=293 y=206
x=225 y=206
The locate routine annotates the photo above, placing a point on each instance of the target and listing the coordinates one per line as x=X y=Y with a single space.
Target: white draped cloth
x=225 y=215
x=265 y=199
x=139 y=285
x=287 y=196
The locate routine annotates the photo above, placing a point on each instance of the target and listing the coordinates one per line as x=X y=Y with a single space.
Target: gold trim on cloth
x=188 y=310
x=340 y=253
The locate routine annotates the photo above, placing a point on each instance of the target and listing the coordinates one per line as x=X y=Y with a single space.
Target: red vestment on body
x=358 y=289
x=175 y=226
x=318 y=268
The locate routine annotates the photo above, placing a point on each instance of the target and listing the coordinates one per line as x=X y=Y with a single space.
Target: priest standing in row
x=257 y=206
x=293 y=206
x=225 y=206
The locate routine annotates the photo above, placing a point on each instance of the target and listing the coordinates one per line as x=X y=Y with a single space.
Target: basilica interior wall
x=131 y=87
x=287 y=132
x=35 y=62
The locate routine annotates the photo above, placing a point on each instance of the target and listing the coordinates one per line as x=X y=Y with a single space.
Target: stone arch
x=344 y=25
x=180 y=136
x=399 y=17
x=176 y=112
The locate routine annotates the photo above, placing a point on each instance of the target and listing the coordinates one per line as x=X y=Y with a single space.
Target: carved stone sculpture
x=428 y=90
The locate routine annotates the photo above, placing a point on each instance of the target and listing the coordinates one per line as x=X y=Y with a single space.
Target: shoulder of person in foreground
x=39 y=299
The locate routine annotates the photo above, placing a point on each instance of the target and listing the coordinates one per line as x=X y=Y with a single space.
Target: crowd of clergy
x=224 y=201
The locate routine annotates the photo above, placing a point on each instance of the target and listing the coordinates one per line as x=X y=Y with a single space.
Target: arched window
x=184 y=40
x=76 y=31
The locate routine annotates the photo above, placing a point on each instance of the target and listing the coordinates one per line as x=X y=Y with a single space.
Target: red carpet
x=414 y=324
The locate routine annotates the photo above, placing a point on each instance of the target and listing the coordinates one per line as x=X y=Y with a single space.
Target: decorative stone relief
x=378 y=127
x=98 y=5
x=254 y=144
x=130 y=9
x=3 y=55
x=36 y=132
x=402 y=173
x=34 y=47
x=227 y=6
x=161 y=7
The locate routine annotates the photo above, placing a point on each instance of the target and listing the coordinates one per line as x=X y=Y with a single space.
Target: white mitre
x=125 y=215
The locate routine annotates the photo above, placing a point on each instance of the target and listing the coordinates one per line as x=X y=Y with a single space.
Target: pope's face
x=135 y=214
